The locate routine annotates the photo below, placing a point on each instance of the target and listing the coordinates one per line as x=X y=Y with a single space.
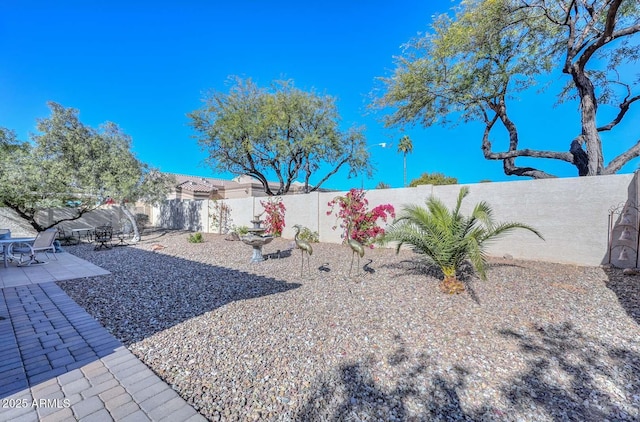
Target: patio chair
x=124 y=235
x=42 y=243
x=103 y=235
x=66 y=239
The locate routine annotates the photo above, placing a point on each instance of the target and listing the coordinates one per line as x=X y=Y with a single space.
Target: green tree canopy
x=282 y=131
x=472 y=67
x=433 y=179
x=69 y=164
x=10 y=149
x=7 y=139
x=382 y=185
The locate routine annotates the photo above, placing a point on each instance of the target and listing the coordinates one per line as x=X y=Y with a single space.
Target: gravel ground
x=241 y=341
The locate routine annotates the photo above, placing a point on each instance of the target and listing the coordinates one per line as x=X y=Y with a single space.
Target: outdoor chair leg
x=32 y=260
x=102 y=244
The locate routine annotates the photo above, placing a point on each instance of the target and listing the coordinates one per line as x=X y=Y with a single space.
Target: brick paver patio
x=60 y=364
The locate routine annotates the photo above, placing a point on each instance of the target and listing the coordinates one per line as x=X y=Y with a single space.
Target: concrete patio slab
x=64 y=266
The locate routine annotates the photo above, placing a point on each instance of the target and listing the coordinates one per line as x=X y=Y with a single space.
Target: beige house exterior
x=189 y=188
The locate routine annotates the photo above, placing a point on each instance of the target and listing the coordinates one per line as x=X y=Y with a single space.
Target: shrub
x=274 y=221
x=447 y=237
x=196 y=238
x=358 y=222
x=307 y=235
x=241 y=230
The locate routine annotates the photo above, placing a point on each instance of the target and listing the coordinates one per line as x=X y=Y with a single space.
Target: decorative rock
x=631 y=271
x=232 y=236
x=508 y=257
x=258 y=342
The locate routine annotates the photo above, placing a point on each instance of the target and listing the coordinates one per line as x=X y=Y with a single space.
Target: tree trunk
x=580 y=158
x=132 y=219
x=404 y=164
x=588 y=109
x=451 y=285
x=29 y=217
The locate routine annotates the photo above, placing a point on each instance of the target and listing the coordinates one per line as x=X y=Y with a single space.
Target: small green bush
x=241 y=230
x=309 y=236
x=196 y=238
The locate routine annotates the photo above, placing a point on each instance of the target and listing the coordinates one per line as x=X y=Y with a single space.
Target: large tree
x=69 y=164
x=281 y=131
x=125 y=179
x=10 y=149
x=473 y=64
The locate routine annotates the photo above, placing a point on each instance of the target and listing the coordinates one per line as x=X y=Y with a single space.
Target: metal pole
x=609 y=235
x=637 y=227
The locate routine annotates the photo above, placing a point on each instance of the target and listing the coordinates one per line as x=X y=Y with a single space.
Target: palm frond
x=477 y=256
x=483 y=213
x=439 y=213
x=464 y=191
x=445 y=236
x=503 y=229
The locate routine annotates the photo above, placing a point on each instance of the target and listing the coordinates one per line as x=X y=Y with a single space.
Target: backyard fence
x=571 y=213
x=584 y=220
x=107 y=215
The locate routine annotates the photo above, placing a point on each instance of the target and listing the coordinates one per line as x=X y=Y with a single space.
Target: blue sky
x=145 y=65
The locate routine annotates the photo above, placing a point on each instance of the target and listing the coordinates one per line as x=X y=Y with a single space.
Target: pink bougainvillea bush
x=357 y=219
x=274 y=221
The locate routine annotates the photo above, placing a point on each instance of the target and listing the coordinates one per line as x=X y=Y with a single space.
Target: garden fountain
x=256 y=239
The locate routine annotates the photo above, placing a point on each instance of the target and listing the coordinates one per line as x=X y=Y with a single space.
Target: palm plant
x=405 y=147
x=448 y=238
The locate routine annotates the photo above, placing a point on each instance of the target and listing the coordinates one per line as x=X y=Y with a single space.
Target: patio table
x=87 y=232
x=7 y=243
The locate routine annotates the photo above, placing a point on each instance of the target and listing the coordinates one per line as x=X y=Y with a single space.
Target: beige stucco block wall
x=242 y=210
x=302 y=210
x=571 y=213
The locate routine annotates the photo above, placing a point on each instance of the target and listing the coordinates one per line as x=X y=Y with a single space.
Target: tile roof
x=206 y=184
x=194 y=186
x=201 y=184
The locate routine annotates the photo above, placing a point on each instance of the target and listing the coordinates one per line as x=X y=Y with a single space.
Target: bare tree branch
x=624 y=107
x=617 y=163
x=508 y=157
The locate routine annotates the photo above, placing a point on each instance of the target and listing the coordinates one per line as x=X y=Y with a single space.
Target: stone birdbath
x=256 y=239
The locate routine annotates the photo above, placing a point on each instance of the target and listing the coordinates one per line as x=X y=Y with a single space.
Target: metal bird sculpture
x=367 y=268
x=356 y=248
x=304 y=247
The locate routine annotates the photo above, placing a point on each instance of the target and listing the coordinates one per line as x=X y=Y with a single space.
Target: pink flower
x=354 y=214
